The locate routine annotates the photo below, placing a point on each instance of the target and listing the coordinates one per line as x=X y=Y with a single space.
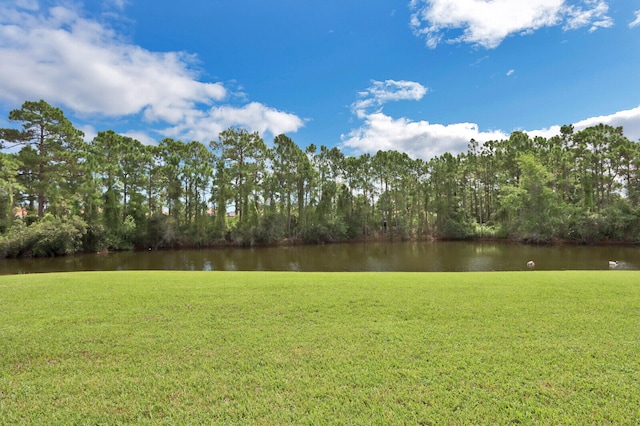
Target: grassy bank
x=314 y=348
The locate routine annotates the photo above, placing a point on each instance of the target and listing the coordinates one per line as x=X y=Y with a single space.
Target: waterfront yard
x=320 y=348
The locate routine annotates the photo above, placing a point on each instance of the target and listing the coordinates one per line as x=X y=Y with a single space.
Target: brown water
x=411 y=257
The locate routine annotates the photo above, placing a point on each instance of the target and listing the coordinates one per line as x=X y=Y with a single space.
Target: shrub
x=454 y=229
x=96 y=238
x=51 y=236
x=272 y=228
x=330 y=232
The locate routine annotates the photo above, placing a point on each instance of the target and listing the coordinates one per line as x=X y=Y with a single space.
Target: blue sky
x=418 y=76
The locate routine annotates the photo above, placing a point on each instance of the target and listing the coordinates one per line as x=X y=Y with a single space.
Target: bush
x=620 y=222
x=96 y=238
x=51 y=236
x=455 y=229
x=330 y=232
x=272 y=228
x=243 y=234
x=582 y=226
x=162 y=231
x=13 y=243
x=484 y=231
x=59 y=236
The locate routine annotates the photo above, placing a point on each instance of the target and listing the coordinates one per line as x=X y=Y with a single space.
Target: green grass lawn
x=320 y=348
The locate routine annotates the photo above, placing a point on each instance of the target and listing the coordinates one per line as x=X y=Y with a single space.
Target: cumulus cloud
x=63 y=58
x=84 y=65
x=488 y=23
x=547 y=132
x=419 y=139
x=636 y=22
x=628 y=119
x=422 y=139
x=206 y=125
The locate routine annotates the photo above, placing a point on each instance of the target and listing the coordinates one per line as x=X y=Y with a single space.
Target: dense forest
x=61 y=195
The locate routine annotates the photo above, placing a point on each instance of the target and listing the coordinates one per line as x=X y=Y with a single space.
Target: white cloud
x=28 y=4
x=89 y=132
x=545 y=133
x=391 y=90
x=628 y=119
x=381 y=92
x=636 y=22
x=422 y=139
x=488 y=23
x=140 y=136
x=419 y=139
x=81 y=64
x=206 y=125
x=595 y=14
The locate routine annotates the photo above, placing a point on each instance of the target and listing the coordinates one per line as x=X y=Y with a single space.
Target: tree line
x=60 y=194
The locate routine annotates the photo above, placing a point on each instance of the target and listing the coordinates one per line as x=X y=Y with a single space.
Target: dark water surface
x=410 y=257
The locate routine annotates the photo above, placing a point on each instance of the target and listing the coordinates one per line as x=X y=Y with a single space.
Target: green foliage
x=16 y=240
x=124 y=236
x=96 y=238
x=162 y=231
x=531 y=208
x=9 y=189
x=484 y=231
x=455 y=229
x=330 y=232
x=50 y=236
x=272 y=229
x=621 y=222
x=156 y=230
x=243 y=155
x=582 y=186
x=615 y=223
x=243 y=233
x=59 y=236
x=58 y=146
x=219 y=229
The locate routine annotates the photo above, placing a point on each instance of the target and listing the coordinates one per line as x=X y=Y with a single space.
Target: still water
x=410 y=257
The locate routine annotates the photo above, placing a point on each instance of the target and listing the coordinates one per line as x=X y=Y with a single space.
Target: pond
x=383 y=257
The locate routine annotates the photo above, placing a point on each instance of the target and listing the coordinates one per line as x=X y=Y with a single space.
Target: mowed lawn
x=320 y=348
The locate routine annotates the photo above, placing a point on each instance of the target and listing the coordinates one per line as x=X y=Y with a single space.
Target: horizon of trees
x=116 y=193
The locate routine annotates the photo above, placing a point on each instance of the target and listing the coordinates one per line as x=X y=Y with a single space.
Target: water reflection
x=411 y=257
